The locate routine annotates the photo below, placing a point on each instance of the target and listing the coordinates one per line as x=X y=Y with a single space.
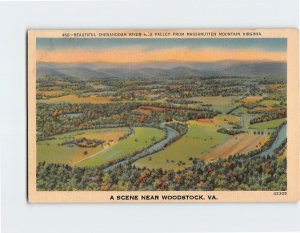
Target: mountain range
x=94 y=71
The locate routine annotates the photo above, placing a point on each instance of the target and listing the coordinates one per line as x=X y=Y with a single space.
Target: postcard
x=163 y=115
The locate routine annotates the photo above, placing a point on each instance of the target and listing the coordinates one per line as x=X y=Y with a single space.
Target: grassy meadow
x=140 y=139
x=52 y=151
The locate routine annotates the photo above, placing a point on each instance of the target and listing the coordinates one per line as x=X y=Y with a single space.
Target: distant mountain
x=95 y=71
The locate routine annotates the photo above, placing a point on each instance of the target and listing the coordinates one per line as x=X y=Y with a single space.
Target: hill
x=94 y=71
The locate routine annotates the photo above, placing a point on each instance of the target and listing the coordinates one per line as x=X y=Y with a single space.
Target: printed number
x=280 y=193
x=66 y=34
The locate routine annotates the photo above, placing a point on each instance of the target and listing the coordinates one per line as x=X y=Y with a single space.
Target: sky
x=116 y=50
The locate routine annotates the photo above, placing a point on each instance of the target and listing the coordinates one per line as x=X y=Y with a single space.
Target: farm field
x=203 y=141
x=269 y=102
x=240 y=144
x=201 y=138
x=141 y=138
x=251 y=99
x=218 y=103
x=53 y=151
x=222 y=120
x=240 y=110
x=268 y=124
x=73 y=98
x=246 y=118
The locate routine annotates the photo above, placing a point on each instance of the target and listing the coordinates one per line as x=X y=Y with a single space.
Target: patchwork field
x=246 y=118
x=53 y=151
x=240 y=110
x=239 y=144
x=203 y=141
x=73 y=98
x=219 y=103
x=269 y=102
x=267 y=125
x=222 y=120
x=140 y=139
x=251 y=99
x=201 y=138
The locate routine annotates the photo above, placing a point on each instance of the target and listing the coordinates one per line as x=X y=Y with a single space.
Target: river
x=278 y=141
x=171 y=134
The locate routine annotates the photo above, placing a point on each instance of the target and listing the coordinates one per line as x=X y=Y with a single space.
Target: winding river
x=277 y=142
x=171 y=134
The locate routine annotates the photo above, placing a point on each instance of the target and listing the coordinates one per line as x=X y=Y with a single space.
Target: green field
x=247 y=118
x=52 y=151
x=267 y=125
x=269 y=102
x=219 y=103
x=223 y=120
x=240 y=110
x=251 y=99
x=201 y=138
x=142 y=138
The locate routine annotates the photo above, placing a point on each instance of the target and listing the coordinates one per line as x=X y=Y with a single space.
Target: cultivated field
x=73 y=98
x=240 y=144
x=267 y=125
x=218 y=103
x=53 y=152
x=200 y=139
x=140 y=139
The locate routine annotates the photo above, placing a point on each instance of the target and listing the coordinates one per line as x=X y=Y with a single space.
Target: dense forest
x=234 y=173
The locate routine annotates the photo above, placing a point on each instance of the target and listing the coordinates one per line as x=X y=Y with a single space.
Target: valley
x=158 y=123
